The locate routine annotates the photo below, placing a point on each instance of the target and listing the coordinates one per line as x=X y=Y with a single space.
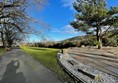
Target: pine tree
x=93 y=16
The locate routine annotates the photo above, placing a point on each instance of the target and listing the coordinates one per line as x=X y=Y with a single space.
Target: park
x=65 y=41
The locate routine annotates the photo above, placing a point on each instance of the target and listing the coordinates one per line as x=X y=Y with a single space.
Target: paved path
x=17 y=67
x=105 y=59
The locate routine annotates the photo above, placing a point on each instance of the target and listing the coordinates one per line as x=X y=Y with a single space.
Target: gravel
x=101 y=77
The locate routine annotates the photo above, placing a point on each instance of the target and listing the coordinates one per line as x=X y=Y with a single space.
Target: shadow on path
x=11 y=75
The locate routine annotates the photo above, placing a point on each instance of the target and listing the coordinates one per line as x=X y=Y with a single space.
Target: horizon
x=56 y=16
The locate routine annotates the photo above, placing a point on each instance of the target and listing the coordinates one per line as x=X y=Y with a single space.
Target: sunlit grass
x=47 y=57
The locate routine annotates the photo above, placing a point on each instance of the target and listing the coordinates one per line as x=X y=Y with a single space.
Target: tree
x=93 y=16
x=14 y=19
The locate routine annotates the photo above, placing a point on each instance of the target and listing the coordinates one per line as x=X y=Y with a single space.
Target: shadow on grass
x=11 y=75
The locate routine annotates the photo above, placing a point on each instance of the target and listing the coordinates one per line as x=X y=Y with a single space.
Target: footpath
x=17 y=67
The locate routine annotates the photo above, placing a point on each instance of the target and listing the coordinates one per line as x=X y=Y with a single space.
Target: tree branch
x=10 y=5
x=18 y=27
x=106 y=31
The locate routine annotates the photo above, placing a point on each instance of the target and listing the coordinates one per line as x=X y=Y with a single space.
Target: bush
x=64 y=44
x=110 y=42
x=88 y=42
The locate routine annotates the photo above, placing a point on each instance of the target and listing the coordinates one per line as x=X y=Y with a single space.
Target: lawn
x=47 y=57
x=2 y=50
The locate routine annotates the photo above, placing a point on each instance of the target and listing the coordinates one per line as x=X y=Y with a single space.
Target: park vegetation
x=15 y=22
x=94 y=17
x=47 y=57
x=110 y=39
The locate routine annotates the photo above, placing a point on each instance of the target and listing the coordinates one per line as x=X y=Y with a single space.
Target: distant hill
x=110 y=34
x=110 y=39
x=77 y=38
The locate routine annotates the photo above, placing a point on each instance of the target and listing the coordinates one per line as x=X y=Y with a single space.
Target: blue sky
x=57 y=14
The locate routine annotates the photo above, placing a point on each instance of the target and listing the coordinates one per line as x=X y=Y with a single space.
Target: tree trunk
x=99 y=37
x=7 y=39
x=2 y=39
x=99 y=42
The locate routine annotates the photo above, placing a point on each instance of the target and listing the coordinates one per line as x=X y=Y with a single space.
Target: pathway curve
x=17 y=67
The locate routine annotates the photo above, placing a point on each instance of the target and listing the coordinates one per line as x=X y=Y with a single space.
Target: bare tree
x=14 y=18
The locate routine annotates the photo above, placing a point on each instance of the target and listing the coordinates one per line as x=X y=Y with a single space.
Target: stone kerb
x=63 y=54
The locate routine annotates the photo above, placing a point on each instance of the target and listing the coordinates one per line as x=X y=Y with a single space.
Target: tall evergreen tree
x=93 y=16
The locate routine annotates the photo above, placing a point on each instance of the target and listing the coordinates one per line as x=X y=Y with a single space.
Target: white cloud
x=65 y=30
x=69 y=30
x=68 y=3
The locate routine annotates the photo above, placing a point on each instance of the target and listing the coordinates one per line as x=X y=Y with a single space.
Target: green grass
x=2 y=50
x=47 y=57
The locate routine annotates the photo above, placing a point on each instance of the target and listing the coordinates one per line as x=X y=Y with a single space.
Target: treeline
x=65 y=44
x=111 y=39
